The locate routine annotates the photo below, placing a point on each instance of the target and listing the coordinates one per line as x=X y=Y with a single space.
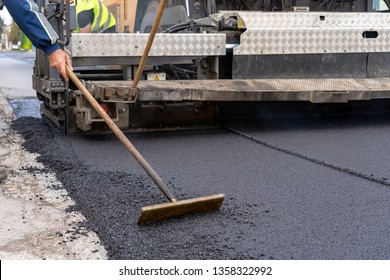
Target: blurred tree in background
x=15 y=33
x=1 y=26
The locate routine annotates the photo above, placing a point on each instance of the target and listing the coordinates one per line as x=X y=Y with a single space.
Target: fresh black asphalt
x=303 y=188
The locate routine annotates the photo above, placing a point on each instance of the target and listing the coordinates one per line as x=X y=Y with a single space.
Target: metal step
x=313 y=90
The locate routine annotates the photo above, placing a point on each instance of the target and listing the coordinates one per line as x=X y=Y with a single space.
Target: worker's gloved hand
x=58 y=59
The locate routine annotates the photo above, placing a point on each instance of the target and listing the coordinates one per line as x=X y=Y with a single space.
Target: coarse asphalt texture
x=291 y=199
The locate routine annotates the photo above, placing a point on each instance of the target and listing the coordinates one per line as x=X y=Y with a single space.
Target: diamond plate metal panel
x=313 y=19
x=304 y=33
x=108 y=45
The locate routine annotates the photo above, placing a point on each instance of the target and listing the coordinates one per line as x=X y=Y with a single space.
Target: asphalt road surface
x=302 y=187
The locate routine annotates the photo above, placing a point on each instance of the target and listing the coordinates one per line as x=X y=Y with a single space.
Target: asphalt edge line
x=301 y=156
x=5 y=108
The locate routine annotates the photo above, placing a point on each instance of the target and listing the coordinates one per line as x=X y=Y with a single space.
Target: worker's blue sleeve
x=33 y=23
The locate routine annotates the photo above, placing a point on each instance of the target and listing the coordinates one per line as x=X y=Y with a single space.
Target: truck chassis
x=319 y=57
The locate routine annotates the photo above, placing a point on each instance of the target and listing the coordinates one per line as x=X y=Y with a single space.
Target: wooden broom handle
x=153 y=32
x=122 y=137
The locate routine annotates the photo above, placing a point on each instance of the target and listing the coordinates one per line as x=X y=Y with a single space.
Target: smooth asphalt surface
x=299 y=188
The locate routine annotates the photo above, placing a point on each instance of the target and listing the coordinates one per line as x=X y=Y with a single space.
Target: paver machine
x=208 y=53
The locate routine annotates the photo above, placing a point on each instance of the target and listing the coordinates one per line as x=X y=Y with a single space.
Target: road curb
x=6 y=111
x=6 y=116
x=36 y=223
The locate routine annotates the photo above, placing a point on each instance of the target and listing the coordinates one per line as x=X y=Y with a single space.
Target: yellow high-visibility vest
x=103 y=19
